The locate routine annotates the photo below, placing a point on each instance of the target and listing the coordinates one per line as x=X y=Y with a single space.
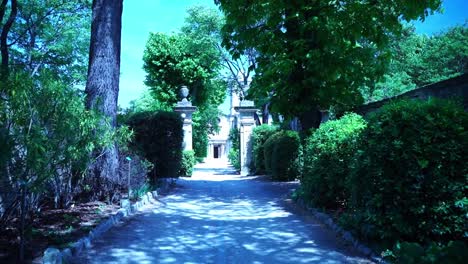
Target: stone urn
x=184 y=92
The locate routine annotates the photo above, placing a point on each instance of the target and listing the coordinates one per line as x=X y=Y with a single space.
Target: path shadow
x=230 y=221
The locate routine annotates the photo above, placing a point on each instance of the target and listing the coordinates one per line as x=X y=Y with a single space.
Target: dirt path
x=217 y=217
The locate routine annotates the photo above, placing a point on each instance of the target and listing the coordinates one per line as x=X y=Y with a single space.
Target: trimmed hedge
x=159 y=137
x=268 y=148
x=286 y=162
x=411 y=174
x=259 y=137
x=328 y=153
x=283 y=155
x=188 y=162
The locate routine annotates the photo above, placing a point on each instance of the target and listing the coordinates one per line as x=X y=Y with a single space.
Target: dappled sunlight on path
x=213 y=218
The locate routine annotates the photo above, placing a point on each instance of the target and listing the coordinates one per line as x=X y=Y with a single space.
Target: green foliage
x=410 y=174
x=282 y=155
x=268 y=149
x=329 y=151
x=419 y=60
x=234 y=152
x=287 y=156
x=49 y=152
x=259 y=135
x=189 y=58
x=188 y=161
x=140 y=191
x=455 y=252
x=319 y=52
x=145 y=103
x=159 y=137
x=52 y=35
x=204 y=122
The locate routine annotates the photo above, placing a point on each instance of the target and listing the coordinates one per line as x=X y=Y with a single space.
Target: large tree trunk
x=310 y=119
x=102 y=86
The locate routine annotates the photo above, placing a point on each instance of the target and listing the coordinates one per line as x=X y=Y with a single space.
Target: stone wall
x=454 y=88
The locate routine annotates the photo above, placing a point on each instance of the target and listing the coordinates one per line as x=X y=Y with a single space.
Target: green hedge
x=188 y=162
x=283 y=155
x=328 y=154
x=259 y=136
x=234 y=156
x=454 y=252
x=268 y=148
x=411 y=174
x=159 y=137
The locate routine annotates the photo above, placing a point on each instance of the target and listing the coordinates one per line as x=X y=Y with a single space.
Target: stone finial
x=183 y=93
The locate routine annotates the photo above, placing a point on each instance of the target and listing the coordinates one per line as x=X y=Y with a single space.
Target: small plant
x=140 y=191
x=188 y=162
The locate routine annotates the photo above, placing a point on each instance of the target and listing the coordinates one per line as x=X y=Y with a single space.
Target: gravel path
x=217 y=217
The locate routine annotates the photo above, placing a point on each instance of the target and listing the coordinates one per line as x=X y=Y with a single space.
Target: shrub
x=233 y=155
x=188 y=161
x=286 y=159
x=413 y=253
x=259 y=136
x=268 y=148
x=159 y=137
x=282 y=154
x=410 y=176
x=328 y=153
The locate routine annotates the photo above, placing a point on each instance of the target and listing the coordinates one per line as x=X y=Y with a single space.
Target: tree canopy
x=316 y=53
x=192 y=57
x=419 y=60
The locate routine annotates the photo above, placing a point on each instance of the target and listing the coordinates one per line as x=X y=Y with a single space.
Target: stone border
x=326 y=220
x=55 y=256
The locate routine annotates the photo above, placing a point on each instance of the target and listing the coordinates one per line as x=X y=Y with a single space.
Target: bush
x=259 y=136
x=234 y=156
x=283 y=155
x=413 y=253
x=268 y=149
x=286 y=162
x=410 y=176
x=188 y=161
x=159 y=137
x=328 y=153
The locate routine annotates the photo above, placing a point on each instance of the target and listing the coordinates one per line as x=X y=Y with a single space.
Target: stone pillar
x=247 y=123
x=185 y=108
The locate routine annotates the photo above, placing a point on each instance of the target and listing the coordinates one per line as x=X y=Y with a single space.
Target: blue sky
x=143 y=16
x=140 y=17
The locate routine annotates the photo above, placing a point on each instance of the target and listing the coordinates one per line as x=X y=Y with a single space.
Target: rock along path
x=219 y=217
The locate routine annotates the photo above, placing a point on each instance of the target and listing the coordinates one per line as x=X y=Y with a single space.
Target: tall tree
x=102 y=86
x=313 y=54
x=5 y=30
x=419 y=60
x=53 y=36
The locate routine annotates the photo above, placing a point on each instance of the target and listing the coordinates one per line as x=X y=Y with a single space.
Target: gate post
x=185 y=108
x=247 y=112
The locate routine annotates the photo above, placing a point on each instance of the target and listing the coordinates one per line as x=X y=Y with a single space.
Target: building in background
x=219 y=143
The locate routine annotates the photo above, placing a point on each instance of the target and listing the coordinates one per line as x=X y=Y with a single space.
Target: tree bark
x=4 y=34
x=310 y=119
x=265 y=113
x=102 y=86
